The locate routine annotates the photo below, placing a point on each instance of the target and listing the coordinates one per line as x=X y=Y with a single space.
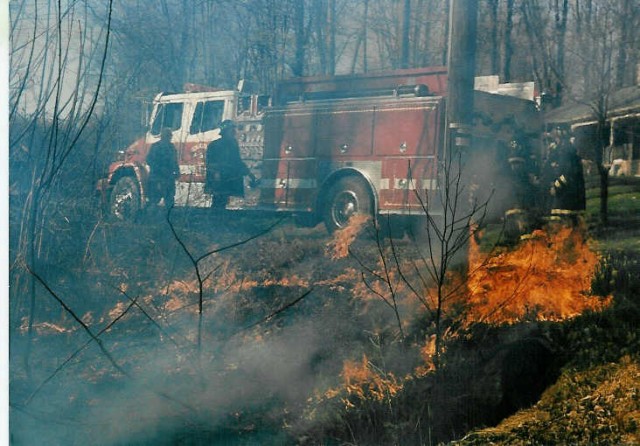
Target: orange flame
x=364 y=381
x=338 y=247
x=547 y=277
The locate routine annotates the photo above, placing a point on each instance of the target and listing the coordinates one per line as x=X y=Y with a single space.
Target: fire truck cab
x=194 y=117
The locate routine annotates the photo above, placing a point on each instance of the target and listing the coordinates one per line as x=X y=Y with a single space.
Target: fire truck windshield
x=207 y=116
x=167 y=115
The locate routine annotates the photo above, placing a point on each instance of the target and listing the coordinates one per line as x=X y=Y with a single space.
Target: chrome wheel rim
x=344 y=207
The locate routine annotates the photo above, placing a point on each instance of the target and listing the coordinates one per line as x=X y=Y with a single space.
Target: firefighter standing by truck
x=225 y=168
x=564 y=176
x=163 y=170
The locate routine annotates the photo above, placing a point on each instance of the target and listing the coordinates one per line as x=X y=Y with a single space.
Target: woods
x=83 y=66
x=189 y=329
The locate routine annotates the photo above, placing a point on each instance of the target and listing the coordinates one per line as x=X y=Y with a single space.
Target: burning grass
x=338 y=247
x=546 y=277
x=363 y=380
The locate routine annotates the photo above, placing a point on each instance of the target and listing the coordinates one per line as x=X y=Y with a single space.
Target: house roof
x=621 y=102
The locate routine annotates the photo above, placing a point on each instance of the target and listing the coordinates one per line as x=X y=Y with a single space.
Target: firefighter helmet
x=227 y=124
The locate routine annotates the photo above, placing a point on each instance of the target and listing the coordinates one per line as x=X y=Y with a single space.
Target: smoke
x=255 y=374
x=242 y=385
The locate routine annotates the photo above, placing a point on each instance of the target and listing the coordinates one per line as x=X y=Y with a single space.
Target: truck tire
x=347 y=197
x=124 y=201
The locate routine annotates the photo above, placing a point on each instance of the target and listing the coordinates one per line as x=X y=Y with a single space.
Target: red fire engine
x=323 y=147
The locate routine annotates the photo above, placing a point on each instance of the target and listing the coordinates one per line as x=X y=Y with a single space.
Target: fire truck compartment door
x=289 y=133
x=407 y=137
x=289 y=167
x=290 y=184
x=407 y=128
x=344 y=131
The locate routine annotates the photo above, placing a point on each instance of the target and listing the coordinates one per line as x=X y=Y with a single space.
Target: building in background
x=621 y=135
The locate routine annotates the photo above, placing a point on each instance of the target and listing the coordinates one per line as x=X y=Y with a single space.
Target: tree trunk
x=298 y=16
x=332 y=37
x=320 y=18
x=495 y=48
x=406 y=14
x=366 y=36
x=508 y=42
x=447 y=25
x=621 y=60
x=561 y=15
x=604 y=194
x=603 y=172
x=583 y=20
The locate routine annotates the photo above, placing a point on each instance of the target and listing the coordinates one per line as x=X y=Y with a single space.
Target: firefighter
x=564 y=176
x=163 y=170
x=520 y=218
x=522 y=164
x=225 y=168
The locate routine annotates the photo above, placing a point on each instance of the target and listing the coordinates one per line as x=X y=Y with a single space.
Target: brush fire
x=547 y=276
x=343 y=348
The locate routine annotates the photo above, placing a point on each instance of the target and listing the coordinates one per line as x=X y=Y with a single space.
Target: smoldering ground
x=238 y=385
x=260 y=357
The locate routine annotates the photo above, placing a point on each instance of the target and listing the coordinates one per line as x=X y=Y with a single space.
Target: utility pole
x=461 y=68
x=459 y=121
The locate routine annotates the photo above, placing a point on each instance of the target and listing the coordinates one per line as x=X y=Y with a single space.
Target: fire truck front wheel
x=124 y=202
x=347 y=197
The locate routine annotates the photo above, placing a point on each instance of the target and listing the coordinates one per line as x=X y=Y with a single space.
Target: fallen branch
x=95 y=338
x=76 y=353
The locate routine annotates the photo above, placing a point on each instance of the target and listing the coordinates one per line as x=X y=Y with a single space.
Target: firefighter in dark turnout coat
x=564 y=175
x=225 y=168
x=163 y=170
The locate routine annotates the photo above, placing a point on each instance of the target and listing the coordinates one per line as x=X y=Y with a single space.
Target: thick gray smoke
x=171 y=391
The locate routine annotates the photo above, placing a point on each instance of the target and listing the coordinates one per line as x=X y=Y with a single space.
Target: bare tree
x=628 y=50
x=540 y=42
x=560 y=13
x=434 y=270
x=406 y=16
x=447 y=238
x=597 y=53
x=301 y=33
x=54 y=90
x=598 y=62
x=493 y=6
x=201 y=276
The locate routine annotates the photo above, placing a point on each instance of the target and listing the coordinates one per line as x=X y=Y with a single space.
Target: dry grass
x=597 y=406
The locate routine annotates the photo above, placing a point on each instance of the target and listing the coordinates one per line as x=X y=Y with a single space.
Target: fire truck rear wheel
x=347 y=197
x=124 y=202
